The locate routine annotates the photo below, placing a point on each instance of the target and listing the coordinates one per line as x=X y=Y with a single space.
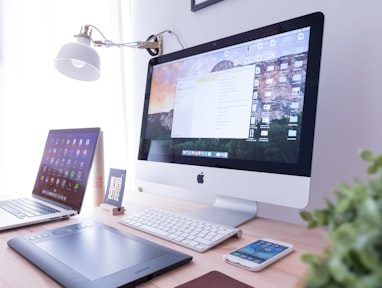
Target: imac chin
x=233 y=119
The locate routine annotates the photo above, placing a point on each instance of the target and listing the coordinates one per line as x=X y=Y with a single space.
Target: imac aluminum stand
x=228 y=211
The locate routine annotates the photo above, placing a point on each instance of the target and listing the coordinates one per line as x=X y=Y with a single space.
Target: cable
x=171 y=32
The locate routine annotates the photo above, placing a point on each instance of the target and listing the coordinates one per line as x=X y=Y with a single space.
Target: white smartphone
x=259 y=254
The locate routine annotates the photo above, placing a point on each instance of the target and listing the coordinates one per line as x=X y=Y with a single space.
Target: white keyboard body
x=193 y=233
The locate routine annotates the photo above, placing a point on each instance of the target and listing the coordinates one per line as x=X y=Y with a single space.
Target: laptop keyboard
x=193 y=233
x=24 y=208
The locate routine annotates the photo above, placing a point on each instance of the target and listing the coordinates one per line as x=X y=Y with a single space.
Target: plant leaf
x=372 y=169
x=366 y=155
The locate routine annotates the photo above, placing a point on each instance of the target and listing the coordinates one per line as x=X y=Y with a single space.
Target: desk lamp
x=79 y=61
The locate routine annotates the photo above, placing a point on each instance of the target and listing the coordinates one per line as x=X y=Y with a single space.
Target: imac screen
x=246 y=102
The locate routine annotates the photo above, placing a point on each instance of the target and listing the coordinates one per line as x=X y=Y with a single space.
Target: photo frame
x=115 y=187
x=199 y=4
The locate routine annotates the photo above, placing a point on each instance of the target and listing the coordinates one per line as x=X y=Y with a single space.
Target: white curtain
x=35 y=97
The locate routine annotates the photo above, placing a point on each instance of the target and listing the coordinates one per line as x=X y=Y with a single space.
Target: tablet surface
x=91 y=254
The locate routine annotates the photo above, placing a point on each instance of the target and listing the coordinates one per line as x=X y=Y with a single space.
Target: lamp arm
x=109 y=43
x=153 y=44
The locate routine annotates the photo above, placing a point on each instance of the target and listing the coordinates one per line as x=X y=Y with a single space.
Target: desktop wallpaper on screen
x=243 y=102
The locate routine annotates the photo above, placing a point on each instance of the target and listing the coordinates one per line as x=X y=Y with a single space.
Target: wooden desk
x=17 y=272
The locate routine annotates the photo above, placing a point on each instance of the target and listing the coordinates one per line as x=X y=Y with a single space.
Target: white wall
x=35 y=97
x=349 y=102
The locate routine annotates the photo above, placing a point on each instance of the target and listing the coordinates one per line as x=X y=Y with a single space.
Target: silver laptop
x=61 y=180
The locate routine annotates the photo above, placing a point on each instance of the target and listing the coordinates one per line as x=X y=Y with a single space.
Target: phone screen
x=259 y=251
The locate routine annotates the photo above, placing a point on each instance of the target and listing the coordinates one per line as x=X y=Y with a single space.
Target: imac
x=235 y=118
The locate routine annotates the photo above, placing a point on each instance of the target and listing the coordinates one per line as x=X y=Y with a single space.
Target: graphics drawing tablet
x=91 y=254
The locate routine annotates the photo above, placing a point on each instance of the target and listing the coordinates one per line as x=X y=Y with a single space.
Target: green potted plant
x=353 y=257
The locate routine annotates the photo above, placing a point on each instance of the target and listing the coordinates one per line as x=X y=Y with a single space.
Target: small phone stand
x=114 y=192
x=112 y=210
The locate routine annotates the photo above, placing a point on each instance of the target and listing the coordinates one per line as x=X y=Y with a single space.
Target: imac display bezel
x=237 y=184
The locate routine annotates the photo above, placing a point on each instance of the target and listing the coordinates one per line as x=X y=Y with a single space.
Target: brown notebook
x=214 y=279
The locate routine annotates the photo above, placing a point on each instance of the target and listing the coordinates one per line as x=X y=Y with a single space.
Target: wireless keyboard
x=190 y=232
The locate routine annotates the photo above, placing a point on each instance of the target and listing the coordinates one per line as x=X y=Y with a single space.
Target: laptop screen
x=65 y=166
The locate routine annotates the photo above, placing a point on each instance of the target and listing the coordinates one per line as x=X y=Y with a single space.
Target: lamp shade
x=78 y=60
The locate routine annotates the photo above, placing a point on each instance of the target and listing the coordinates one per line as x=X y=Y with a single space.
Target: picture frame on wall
x=199 y=4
